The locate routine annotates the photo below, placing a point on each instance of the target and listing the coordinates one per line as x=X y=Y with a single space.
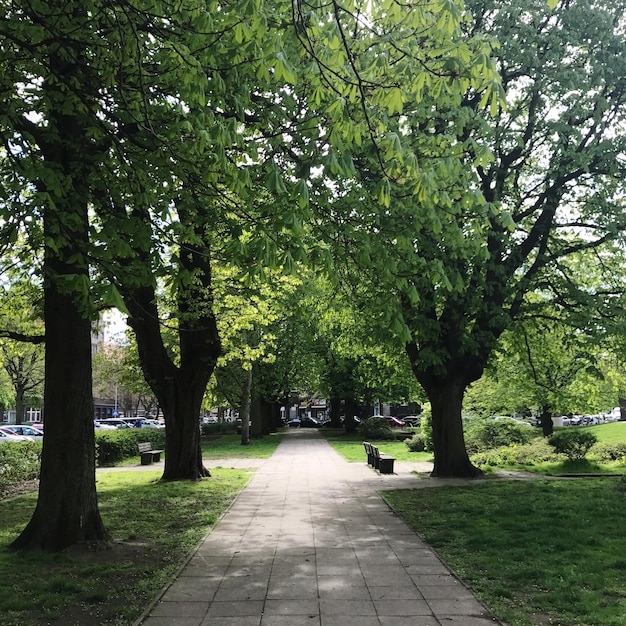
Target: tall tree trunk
x=19 y=404
x=445 y=389
x=258 y=417
x=335 y=412
x=67 y=507
x=451 y=458
x=179 y=390
x=183 y=451
x=350 y=408
x=244 y=413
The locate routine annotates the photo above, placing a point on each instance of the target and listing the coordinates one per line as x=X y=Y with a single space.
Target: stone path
x=309 y=541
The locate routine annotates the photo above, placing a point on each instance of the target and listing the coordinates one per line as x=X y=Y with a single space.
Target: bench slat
x=148 y=455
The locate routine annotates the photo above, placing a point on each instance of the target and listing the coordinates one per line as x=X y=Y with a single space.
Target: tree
x=536 y=184
x=255 y=323
x=136 y=138
x=22 y=359
x=46 y=167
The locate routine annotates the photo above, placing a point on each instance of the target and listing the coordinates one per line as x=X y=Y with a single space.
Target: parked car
x=412 y=420
x=309 y=422
x=304 y=422
x=152 y=423
x=8 y=436
x=29 y=432
x=394 y=422
x=116 y=422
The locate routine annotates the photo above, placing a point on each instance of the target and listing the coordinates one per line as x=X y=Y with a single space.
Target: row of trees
x=160 y=157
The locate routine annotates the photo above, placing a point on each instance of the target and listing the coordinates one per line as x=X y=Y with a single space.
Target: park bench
x=147 y=454
x=378 y=460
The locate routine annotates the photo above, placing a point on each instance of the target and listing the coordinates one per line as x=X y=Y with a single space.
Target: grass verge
x=350 y=447
x=229 y=446
x=154 y=526
x=536 y=552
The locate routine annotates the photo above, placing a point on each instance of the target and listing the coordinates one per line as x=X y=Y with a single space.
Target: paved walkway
x=309 y=541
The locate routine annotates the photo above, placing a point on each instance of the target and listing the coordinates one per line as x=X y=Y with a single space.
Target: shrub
x=537 y=451
x=218 y=428
x=426 y=428
x=376 y=428
x=573 y=443
x=19 y=461
x=481 y=435
x=416 y=443
x=113 y=446
x=608 y=452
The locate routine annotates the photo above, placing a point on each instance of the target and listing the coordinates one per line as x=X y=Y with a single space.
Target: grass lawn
x=351 y=448
x=154 y=526
x=612 y=432
x=229 y=446
x=536 y=552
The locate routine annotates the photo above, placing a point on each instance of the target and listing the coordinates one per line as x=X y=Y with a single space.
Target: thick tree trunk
x=350 y=408
x=67 y=508
x=335 y=412
x=273 y=412
x=179 y=390
x=183 y=452
x=451 y=459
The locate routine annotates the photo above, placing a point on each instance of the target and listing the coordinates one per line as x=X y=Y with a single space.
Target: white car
x=7 y=435
x=34 y=434
x=98 y=425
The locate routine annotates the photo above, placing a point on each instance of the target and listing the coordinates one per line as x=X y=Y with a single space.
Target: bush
x=416 y=443
x=376 y=428
x=19 y=461
x=538 y=451
x=608 y=452
x=218 y=428
x=573 y=443
x=113 y=446
x=426 y=428
x=481 y=435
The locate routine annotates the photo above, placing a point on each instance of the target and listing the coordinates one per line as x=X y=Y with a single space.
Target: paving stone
x=310 y=541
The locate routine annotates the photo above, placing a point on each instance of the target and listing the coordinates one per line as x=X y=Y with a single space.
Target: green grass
x=613 y=432
x=229 y=446
x=154 y=526
x=350 y=447
x=536 y=552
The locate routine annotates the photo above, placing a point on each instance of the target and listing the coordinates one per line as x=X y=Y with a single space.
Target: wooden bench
x=147 y=454
x=378 y=460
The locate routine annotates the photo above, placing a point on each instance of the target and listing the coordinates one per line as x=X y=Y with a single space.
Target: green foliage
x=608 y=452
x=115 y=446
x=19 y=461
x=426 y=427
x=376 y=428
x=533 y=453
x=219 y=428
x=573 y=443
x=483 y=435
x=416 y=443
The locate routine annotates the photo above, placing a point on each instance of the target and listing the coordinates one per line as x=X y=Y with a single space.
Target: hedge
x=19 y=462
x=113 y=446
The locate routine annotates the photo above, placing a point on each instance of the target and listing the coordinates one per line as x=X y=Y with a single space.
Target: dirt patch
x=18 y=489
x=105 y=601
